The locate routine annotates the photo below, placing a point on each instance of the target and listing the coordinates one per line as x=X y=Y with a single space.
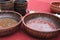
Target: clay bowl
x=38 y=25
x=9 y=29
x=55 y=7
x=6 y=5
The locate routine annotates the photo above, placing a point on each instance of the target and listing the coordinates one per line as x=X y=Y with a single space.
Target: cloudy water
x=41 y=25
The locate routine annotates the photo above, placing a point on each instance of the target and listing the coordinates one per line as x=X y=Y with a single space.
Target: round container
x=21 y=6
x=55 y=7
x=6 y=5
x=41 y=25
x=9 y=29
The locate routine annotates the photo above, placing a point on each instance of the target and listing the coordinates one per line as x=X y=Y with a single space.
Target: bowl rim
x=52 y=4
x=15 y=24
x=38 y=13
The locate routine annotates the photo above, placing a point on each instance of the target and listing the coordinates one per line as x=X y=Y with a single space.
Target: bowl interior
x=56 y=4
x=43 y=17
x=11 y=15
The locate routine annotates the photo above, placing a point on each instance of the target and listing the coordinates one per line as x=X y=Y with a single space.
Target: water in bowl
x=41 y=25
x=7 y=22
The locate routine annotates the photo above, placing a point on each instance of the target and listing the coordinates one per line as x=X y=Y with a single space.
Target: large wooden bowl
x=41 y=34
x=11 y=29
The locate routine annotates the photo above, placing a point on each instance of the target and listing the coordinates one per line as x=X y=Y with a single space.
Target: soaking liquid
x=41 y=25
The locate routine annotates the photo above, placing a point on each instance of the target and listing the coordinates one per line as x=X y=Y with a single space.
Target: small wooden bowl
x=55 y=7
x=13 y=15
x=6 y=5
x=41 y=34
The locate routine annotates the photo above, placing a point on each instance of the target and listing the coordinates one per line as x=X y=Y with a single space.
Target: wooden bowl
x=55 y=7
x=9 y=29
x=38 y=25
x=20 y=6
x=6 y=5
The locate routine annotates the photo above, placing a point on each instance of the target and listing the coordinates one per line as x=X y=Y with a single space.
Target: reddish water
x=41 y=25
